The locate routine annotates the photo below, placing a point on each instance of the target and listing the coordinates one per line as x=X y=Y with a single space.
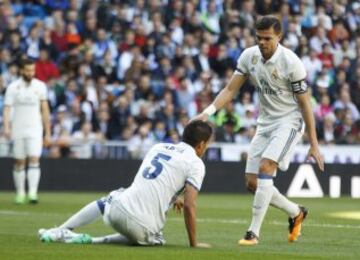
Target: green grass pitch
x=222 y=221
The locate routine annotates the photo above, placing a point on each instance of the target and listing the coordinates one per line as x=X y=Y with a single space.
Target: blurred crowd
x=137 y=70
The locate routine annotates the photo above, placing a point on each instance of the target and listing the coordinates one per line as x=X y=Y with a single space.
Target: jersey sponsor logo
x=267 y=90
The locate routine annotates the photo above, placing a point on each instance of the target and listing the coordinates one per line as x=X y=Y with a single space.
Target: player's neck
x=27 y=81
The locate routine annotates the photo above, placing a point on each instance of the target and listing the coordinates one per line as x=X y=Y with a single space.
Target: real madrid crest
x=274 y=74
x=254 y=59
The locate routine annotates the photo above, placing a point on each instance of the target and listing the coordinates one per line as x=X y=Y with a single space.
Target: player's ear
x=200 y=148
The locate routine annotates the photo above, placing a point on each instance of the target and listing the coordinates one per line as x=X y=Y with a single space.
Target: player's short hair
x=268 y=21
x=197 y=131
x=26 y=62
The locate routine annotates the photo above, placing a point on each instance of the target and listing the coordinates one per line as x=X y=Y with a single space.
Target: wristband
x=210 y=110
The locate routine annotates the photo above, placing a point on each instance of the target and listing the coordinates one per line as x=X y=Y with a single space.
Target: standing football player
x=26 y=101
x=279 y=76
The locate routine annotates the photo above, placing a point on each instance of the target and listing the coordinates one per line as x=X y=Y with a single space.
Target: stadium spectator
x=45 y=69
x=172 y=42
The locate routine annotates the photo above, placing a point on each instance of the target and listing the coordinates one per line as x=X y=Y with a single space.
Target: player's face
x=28 y=72
x=267 y=41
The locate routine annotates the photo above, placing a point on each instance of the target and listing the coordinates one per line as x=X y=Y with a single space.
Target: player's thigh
x=282 y=143
x=19 y=149
x=256 y=149
x=127 y=226
x=284 y=163
x=33 y=147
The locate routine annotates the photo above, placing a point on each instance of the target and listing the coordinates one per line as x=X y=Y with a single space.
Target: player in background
x=25 y=113
x=138 y=213
x=279 y=77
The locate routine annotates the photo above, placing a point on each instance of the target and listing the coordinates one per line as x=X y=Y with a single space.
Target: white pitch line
x=277 y=223
x=200 y=220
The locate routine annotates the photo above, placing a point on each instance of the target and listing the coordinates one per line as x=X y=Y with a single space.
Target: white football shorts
x=120 y=220
x=277 y=145
x=27 y=147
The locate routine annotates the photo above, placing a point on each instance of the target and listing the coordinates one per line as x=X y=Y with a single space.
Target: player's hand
x=203 y=117
x=315 y=154
x=47 y=140
x=178 y=205
x=203 y=245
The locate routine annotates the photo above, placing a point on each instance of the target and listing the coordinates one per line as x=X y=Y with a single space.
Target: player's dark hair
x=197 y=131
x=26 y=62
x=268 y=21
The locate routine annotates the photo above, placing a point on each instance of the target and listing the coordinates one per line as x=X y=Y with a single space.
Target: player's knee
x=34 y=161
x=251 y=183
x=267 y=166
x=19 y=165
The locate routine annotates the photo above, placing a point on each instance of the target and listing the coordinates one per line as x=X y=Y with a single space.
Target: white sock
x=111 y=239
x=280 y=201
x=261 y=202
x=19 y=181
x=83 y=217
x=33 y=176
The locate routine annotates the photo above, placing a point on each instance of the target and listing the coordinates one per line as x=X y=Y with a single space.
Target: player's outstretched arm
x=190 y=197
x=225 y=96
x=314 y=152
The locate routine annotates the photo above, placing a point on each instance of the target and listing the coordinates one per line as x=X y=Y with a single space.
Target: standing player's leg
x=33 y=176
x=261 y=202
x=34 y=149
x=257 y=147
x=19 y=170
x=277 y=200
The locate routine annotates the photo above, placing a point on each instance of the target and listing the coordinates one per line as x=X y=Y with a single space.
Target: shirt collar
x=25 y=82
x=189 y=147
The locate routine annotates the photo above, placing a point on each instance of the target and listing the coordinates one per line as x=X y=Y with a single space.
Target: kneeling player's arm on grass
x=190 y=197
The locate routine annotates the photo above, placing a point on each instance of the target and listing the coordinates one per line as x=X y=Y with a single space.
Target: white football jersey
x=276 y=80
x=25 y=102
x=160 y=179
